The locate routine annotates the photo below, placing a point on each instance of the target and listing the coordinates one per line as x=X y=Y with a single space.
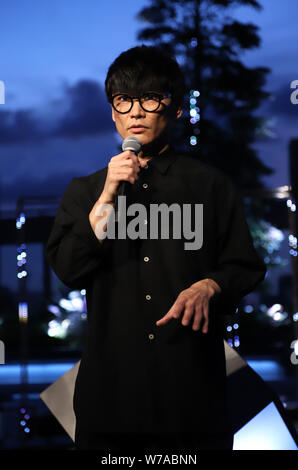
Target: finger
x=165 y=319
x=128 y=175
x=131 y=156
x=124 y=158
x=197 y=318
x=174 y=312
x=128 y=163
x=188 y=313
x=128 y=171
x=177 y=308
x=206 y=318
x=142 y=162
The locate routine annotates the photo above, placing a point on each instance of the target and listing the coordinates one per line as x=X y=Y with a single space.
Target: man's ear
x=179 y=112
x=113 y=113
x=175 y=112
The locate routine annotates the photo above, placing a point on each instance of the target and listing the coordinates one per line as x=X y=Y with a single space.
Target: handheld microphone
x=133 y=144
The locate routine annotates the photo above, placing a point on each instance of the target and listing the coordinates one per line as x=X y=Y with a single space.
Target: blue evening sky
x=53 y=61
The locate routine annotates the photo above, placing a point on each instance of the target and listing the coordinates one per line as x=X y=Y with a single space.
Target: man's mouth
x=137 y=128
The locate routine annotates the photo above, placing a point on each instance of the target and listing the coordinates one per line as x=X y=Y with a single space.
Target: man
x=152 y=373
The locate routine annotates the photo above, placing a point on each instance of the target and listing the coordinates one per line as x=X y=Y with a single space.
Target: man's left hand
x=195 y=303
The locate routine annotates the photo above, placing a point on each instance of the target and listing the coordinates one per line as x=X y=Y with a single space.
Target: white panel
x=266 y=431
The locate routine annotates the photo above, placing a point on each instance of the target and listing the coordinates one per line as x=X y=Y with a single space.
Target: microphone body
x=133 y=144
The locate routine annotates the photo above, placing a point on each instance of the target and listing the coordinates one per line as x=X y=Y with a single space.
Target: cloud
x=88 y=112
x=46 y=168
x=82 y=110
x=19 y=126
x=40 y=196
x=53 y=185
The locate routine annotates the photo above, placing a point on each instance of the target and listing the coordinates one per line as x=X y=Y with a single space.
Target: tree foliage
x=208 y=44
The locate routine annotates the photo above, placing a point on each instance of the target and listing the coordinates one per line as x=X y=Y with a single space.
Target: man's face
x=147 y=126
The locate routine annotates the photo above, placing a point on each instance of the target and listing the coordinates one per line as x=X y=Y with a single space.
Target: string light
x=248 y=308
x=194 y=112
x=21 y=249
x=23 y=312
x=292 y=239
x=292 y=243
x=22 y=273
x=21 y=268
x=193 y=140
x=233 y=339
x=25 y=417
x=21 y=219
x=74 y=306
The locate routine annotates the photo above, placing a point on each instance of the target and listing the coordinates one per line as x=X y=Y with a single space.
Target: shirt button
x=145 y=222
x=146 y=259
x=151 y=336
x=145 y=185
x=148 y=297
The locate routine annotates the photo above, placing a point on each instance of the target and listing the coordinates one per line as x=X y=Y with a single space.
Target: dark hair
x=145 y=68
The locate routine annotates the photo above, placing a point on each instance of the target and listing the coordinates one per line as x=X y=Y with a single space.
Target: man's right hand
x=122 y=167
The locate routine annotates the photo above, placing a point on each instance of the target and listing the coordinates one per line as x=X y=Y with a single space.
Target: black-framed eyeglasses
x=149 y=101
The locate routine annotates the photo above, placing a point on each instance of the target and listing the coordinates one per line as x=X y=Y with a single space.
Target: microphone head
x=131 y=143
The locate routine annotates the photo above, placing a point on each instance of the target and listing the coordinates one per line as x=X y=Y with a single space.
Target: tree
x=207 y=43
x=220 y=123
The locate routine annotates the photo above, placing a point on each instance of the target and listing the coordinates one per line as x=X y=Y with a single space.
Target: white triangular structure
x=58 y=397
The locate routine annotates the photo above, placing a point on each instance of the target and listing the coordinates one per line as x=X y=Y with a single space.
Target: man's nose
x=136 y=109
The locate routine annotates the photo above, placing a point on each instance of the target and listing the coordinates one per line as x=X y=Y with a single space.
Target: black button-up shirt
x=136 y=376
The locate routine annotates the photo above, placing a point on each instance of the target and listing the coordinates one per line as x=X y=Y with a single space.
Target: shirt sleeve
x=72 y=250
x=239 y=267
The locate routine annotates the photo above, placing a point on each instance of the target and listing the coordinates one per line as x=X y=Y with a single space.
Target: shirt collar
x=163 y=161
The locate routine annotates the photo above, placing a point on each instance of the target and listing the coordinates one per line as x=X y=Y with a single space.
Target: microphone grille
x=131 y=143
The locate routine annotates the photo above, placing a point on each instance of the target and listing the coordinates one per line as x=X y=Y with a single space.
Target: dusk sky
x=56 y=124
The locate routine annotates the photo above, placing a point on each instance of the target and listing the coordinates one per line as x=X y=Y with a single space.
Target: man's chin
x=149 y=144
x=145 y=141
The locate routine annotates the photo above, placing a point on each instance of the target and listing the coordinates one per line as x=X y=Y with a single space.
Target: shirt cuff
x=224 y=301
x=82 y=228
